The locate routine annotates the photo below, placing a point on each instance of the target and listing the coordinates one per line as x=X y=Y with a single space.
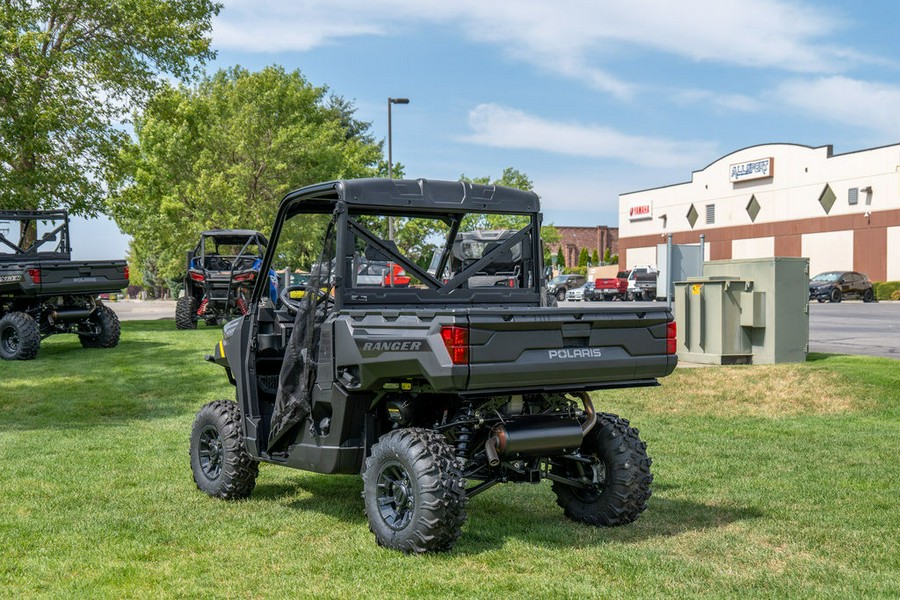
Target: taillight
x=127 y=272
x=197 y=276
x=245 y=277
x=456 y=339
x=670 y=337
x=35 y=275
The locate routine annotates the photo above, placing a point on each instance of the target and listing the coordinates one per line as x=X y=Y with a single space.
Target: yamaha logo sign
x=640 y=211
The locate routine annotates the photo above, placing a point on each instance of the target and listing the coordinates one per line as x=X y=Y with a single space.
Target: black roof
x=234 y=236
x=402 y=195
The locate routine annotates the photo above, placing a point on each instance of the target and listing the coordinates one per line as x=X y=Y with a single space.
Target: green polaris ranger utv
x=436 y=390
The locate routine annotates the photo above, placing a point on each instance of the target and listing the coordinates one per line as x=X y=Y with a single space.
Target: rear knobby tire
x=221 y=465
x=107 y=322
x=185 y=313
x=414 y=492
x=20 y=337
x=869 y=295
x=620 y=479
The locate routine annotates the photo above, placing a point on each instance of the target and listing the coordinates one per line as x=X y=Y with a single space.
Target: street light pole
x=391 y=156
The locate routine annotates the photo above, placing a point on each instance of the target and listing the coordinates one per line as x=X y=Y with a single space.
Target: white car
x=576 y=294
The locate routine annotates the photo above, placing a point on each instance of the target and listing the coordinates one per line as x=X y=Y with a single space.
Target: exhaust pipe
x=67 y=315
x=539 y=435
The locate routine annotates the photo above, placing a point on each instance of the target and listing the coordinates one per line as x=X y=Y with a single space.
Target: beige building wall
x=762 y=247
x=831 y=251
x=893 y=254
x=637 y=257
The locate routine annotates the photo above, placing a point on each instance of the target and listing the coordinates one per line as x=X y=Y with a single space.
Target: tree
x=560 y=259
x=595 y=258
x=583 y=257
x=607 y=256
x=222 y=154
x=71 y=72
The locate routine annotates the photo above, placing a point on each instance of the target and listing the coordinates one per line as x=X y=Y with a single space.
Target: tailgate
x=82 y=277
x=566 y=349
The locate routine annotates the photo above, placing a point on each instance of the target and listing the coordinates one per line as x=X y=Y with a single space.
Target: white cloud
x=503 y=127
x=732 y=102
x=577 y=38
x=865 y=104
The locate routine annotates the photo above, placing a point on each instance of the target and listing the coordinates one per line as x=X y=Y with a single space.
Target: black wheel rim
x=593 y=476
x=211 y=452
x=395 y=496
x=9 y=338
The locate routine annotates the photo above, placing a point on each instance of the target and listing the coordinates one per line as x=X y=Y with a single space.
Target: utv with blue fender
x=221 y=271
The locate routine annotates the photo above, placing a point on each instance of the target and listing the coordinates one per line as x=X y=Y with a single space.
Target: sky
x=590 y=99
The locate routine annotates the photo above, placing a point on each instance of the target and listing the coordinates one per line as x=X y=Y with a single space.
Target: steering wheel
x=292 y=304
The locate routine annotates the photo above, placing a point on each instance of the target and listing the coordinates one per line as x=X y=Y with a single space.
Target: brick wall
x=573 y=239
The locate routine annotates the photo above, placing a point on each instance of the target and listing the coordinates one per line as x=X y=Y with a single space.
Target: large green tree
x=223 y=153
x=70 y=73
x=514 y=178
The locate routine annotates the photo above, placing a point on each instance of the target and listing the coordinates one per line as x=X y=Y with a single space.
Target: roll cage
x=449 y=202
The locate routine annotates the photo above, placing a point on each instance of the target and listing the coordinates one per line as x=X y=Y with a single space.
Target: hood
x=818 y=285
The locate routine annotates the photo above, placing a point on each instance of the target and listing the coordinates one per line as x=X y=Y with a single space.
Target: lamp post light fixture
x=391 y=156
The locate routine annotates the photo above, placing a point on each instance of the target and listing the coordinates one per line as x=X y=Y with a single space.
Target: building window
x=710 y=214
x=753 y=208
x=853 y=196
x=827 y=198
x=692 y=216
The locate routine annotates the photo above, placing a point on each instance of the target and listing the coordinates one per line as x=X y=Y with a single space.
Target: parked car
x=382 y=274
x=612 y=288
x=834 y=286
x=580 y=293
x=642 y=283
x=560 y=284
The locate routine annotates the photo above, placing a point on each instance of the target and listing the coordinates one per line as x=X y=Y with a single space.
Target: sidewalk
x=143 y=310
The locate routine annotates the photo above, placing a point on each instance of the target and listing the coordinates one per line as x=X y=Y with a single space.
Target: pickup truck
x=642 y=283
x=43 y=292
x=436 y=391
x=612 y=288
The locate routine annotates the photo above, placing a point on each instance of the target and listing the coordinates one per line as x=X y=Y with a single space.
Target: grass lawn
x=770 y=481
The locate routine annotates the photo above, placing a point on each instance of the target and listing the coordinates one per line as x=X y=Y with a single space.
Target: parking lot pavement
x=143 y=310
x=855 y=328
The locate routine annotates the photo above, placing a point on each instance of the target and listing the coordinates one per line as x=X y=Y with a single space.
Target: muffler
x=539 y=435
x=68 y=315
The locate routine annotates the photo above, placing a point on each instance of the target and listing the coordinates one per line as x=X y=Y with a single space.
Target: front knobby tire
x=20 y=336
x=221 y=465
x=107 y=322
x=414 y=492
x=835 y=295
x=618 y=480
x=185 y=313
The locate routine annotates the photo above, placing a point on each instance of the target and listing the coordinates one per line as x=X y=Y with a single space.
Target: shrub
x=895 y=295
x=884 y=290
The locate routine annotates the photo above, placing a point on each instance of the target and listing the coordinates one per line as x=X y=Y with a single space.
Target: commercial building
x=842 y=211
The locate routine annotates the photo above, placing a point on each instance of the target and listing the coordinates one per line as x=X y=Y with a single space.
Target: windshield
x=558 y=279
x=827 y=277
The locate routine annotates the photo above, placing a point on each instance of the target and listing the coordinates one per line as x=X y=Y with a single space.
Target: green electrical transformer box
x=747 y=311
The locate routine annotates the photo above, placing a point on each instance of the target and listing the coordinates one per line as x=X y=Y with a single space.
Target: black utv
x=43 y=292
x=438 y=390
x=221 y=271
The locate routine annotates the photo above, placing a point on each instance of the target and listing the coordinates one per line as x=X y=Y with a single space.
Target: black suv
x=836 y=285
x=559 y=284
